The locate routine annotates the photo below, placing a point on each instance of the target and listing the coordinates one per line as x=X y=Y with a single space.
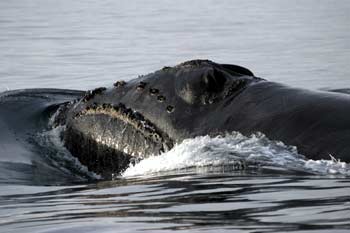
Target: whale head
x=109 y=128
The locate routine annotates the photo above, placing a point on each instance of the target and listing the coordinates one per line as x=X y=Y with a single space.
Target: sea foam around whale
x=228 y=153
x=236 y=152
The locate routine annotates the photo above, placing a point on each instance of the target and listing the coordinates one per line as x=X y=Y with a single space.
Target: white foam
x=232 y=149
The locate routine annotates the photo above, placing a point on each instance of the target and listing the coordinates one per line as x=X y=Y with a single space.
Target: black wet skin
x=201 y=97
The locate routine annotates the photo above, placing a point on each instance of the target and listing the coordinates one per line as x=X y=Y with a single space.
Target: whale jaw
x=108 y=138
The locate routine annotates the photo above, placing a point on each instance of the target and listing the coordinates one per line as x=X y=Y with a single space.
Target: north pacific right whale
x=108 y=128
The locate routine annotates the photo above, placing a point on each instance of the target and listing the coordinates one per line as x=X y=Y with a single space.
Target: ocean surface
x=232 y=183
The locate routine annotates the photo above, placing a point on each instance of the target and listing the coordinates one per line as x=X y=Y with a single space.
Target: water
x=232 y=183
x=236 y=202
x=84 y=44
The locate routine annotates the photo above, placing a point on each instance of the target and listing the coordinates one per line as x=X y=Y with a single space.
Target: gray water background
x=84 y=44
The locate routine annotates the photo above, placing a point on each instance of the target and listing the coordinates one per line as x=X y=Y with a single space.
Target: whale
x=110 y=128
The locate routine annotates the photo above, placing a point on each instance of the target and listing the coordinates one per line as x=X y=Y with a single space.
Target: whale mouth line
x=130 y=117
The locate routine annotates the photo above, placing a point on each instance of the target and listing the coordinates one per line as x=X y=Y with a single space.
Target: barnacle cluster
x=119 y=83
x=141 y=86
x=91 y=93
x=127 y=115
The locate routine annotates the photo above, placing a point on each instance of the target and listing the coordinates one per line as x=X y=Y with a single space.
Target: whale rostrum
x=109 y=128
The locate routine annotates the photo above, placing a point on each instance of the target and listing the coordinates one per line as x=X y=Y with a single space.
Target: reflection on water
x=241 y=202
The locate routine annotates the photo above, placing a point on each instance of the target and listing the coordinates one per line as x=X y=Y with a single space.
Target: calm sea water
x=85 y=44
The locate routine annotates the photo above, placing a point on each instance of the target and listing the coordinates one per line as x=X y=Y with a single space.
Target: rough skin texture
x=110 y=127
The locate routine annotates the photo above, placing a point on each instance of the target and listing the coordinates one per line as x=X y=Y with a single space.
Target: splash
x=57 y=154
x=238 y=152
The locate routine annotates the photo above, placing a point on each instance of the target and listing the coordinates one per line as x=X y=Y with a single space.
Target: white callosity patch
x=232 y=149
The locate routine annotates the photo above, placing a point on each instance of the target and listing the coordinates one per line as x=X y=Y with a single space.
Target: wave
x=236 y=152
x=58 y=155
x=30 y=152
